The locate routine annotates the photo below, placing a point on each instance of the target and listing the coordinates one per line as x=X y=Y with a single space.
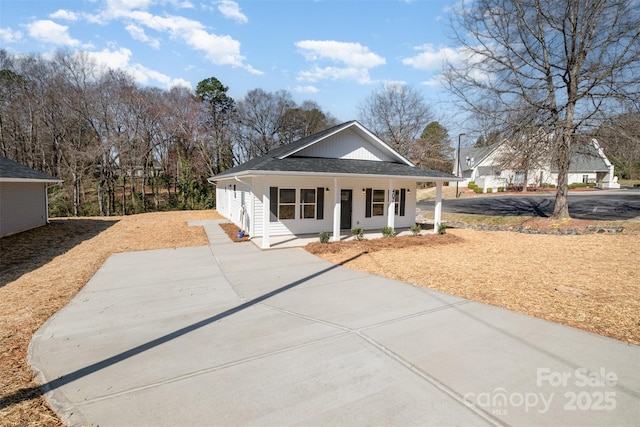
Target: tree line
x=122 y=149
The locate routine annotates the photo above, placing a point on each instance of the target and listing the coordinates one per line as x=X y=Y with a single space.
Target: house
x=341 y=178
x=23 y=197
x=486 y=167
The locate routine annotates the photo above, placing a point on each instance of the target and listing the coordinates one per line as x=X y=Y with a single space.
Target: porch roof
x=338 y=167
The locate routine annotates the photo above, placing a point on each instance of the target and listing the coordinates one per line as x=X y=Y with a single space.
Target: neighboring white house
x=23 y=197
x=341 y=178
x=485 y=167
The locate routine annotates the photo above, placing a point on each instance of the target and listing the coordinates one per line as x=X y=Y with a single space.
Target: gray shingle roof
x=281 y=160
x=12 y=170
x=478 y=154
x=585 y=158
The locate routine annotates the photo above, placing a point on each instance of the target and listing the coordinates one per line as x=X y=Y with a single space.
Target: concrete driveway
x=227 y=334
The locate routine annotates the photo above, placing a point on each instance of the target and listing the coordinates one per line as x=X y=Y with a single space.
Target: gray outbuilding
x=23 y=197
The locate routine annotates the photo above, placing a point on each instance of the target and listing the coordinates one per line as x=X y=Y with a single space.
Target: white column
x=437 y=213
x=266 y=213
x=336 y=211
x=391 y=220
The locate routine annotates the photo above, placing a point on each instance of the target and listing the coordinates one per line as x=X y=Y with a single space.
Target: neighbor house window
x=374 y=202
x=585 y=179
x=308 y=203
x=287 y=203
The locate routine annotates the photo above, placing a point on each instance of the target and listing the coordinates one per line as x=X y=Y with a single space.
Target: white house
x=485 y=167
x=23 y=197
x=341 y=178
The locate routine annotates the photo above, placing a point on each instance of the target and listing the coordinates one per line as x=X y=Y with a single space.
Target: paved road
x=229 y=335
x=596 y=205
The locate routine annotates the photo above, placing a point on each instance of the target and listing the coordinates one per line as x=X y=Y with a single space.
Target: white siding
x=313 y=226
x=346 y=145
x=22 y=206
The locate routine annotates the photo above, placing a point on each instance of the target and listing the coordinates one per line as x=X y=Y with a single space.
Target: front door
x=345 y=208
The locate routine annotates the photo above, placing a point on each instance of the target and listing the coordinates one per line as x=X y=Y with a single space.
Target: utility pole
x=458 y=166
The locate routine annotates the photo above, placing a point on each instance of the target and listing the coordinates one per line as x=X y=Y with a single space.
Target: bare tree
x=395 y=113
x=619 y=136
x=567 y=60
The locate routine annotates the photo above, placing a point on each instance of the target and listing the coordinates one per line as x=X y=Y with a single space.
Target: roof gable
x=11 y=170
x=348 y=142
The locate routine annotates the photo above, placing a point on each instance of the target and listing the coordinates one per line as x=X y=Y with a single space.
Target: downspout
x=243 y=208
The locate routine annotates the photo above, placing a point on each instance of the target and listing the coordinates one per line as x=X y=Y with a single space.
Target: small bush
x=442 y=228
x=358 y=233
x=471 y=184
x=415 y=229
x=477 y=190
x=500 y=189
x=489 y=190
x=325 y=236
x=388 y=232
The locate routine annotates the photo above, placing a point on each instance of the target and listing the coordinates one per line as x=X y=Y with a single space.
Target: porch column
x=391 y=220
x=437 y=212
x=336 y=211
x=266 y=213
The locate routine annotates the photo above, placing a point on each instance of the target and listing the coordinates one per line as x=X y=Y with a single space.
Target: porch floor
x=293 y=241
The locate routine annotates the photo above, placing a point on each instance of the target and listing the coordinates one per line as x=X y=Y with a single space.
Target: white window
x=377 y=203
x=287 y=204
x=308 y=203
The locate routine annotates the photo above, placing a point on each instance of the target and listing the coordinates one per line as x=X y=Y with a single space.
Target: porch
x=300 y=240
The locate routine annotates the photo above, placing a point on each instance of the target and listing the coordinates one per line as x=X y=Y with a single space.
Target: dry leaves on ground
x=588 y=281
x=42 y=269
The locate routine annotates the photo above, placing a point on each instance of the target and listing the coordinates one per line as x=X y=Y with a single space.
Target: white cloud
x=48 y=31
x=356 y=60
x=430 y=59
x=7 y=35
x=121 y=59
x=138 y=33
x=230 y=9
x=306 y=89
x=64 y=15
x=220 y=50
x=351 y=54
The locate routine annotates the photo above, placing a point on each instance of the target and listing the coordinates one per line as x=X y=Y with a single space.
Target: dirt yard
x=42 y=269
x=587 y=281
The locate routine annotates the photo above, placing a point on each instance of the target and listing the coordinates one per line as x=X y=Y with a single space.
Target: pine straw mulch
x=586 y=281
x=40 y=272
x=232 y=231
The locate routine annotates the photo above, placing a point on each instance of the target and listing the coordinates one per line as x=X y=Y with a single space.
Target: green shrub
x=477 y=190
x=325 y=236
x=471 y=184
x=388 y=232
x=500 y=189
x=442 y=228
x=415 y=229
x=489 y=190
x=358 y=233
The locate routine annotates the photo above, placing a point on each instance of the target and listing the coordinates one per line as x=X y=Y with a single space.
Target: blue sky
x=334 y=52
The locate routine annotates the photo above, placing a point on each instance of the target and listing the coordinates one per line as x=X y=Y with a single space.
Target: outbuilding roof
x=12 y=171
x=284 y=160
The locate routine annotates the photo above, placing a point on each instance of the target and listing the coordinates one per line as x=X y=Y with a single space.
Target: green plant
x=442 y=228
x=489 y=190
x=388 y=232
x=415 y=229
x=471 y=184
x=358 y=233
x=324 y=236
x=477 y=190
x=500 y=189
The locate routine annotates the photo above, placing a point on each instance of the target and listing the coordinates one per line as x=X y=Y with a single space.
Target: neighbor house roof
x=586 y=158
x=478 y=154
x=283 y=160
x=12 y=171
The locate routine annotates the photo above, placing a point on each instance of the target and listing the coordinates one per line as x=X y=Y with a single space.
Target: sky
x=333 y=52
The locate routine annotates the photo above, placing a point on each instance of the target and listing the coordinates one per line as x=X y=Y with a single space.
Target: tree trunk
x=561 y=209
